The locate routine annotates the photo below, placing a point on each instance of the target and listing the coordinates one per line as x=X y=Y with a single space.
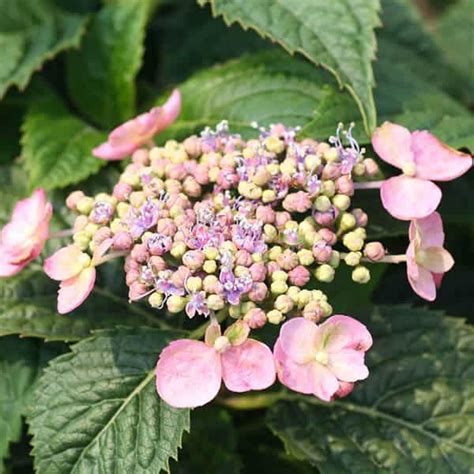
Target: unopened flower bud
x=274 y=144
x=258 y=292
x=328 y=235
x=221 y=344
x=192 y=146
x=211 y=284
x=360 y=216
x=278 y=287
x=81 y=239
x=313 y=311
x=85 y=205
x=322 y=251
x=194 y=284
x=279 y=275
x=322 y=203
x=269 y=195
x=353 y=241
x=210 y=266
x=255 y=318
x=304 y=297
x=175 y=303
x=374 y=251
x=325 y=273
x=155 y=300
x=341 y=201
x=215 y=302
x=102 y=234
x=194 y=259
x=73 y=199
x=345 y=185
x=293 y=292
x=347 y=222
x=328 y=188
x=305 y=257
x=140 y=253
x=211 y=253
x=353 y=258
x=284 y=304
x=122 y=191
x=178 y=249
x=275 y=317
x=371 y=167
x=258 y=272
x=299 y=276
x=238 y=332
x=265 y=214
x=361 y=274
x=297 y=202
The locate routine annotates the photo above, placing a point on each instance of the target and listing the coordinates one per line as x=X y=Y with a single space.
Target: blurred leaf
x=455 y=34
x=56 y=145
x=32 y=32
x=413 y=414
x=211 y=445
x=13 y=183
x=28 y=308
x=96 y=409
x=21 y=362
x=338 y=36
x=101 y=75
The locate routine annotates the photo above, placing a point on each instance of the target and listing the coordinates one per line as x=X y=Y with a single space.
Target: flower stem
x=387 y=259
x=200 y=331
x=61 y=233
x=112 y=256
x=368 y=185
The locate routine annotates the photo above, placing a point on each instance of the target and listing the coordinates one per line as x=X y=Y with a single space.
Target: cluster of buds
x=218 y=222
x=251 y=230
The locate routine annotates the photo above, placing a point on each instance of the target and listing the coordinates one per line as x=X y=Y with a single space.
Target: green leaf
x=14 y=184
x=268 y=87
x=28 y=308
x=21 y=362
x=338 y=36
x=32 y=32
x=108 y=62
x=97 y=410
x=56 y=145
x=413 y=413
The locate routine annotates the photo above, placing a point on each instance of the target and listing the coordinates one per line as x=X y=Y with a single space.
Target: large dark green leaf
x=108 y=61
x=21 y=362
x=28 y=308
x=97 y=410
x=31 y=32
x=57 y=145
x=413 y=414
x=338 y=35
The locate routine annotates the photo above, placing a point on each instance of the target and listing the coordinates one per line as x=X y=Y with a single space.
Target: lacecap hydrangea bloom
x=241 y=233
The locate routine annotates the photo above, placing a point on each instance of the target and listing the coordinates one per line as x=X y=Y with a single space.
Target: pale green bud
x=347 y=222
x=275 y=317
x=353 y=241
x=215 y=302
x=361 y=274
x=278 y=287
x=353 y=258
x=85 y=205
x=322 y=204
x=325 y=273
x=81 y=239
x=341 y=201
x=284 y=304
x=155 y=300
x=176 y=304
x=279 y=275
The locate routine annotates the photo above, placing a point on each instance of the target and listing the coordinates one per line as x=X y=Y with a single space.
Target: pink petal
x=248 y=366
x=297 y=377
x=109 y=152
x=409 y=198
x=437 y=161
x=392 y=143
x=170 y=111
x=325 y=383
x=64 y=264
x=420 y=279
x=101 y=250
x=428 y=230
x=17 y=239
x=344 y=332
x=435 y=259
x=8 y=268
x=74 y=291
x=188 y=374
x=348 y=365
x=298 y=338
x=32 y=209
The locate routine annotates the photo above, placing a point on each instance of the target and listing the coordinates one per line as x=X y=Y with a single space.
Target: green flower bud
x=322 y=204
x=353 y=241
x=325 y=273
x=304 y=297
x=211 y=253
x=235 y=311
x=155 y=300
x=326 y=307
x=194 y=284
x=85 y=205
x=361 y=274
x=328 y=188
x=210 y=266
x=178 y=249
x=275 y=252
x=342 y=202
x=278 y=287
x=270 y=232
x=176 y=304
x=293 y=292
x=279 y=275
x=237 y=333
x=353 y=258
x=90 y=229
x=335 y=259
x=81 y=239
x=275 y=317
x=247 y=306
x=305 y=257
x=347 y=222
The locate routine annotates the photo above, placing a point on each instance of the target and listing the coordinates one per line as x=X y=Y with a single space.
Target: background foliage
x=70 y=70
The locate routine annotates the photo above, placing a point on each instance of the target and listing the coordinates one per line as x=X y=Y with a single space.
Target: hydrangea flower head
x=131 y=135
x=427 y=260
x=22 y=239
x=422 y=159
x=322 y=359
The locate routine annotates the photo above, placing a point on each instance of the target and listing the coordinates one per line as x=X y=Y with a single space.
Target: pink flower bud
x=192 y=146
x=258 y=271
x=326 y=219
x=132 y=276
x=272 y=267
x=157 y=264
x=360 y=217
x=136 y=291
x=322 y=251
x=288 y=260
x=140 y=253
x=258 y=292
x=158 y=244
x=331 y=172
x=80 y=222
x=265 y=214
x=102 y=234
x=73 y=199
x=122 y=191
x=166 y=227
x=227 y=178
x=374 y=251
x=122 y=241
x=131 y=264
x=176 y=171
x=299 y=276
x=345 y=185
x=191 y=187
x=202 y=174
x=194 y=259
x=328 y=235
x=371 y=167
x=242 y=257
x=180 y=276
x=281 y=218
x=140 y=157
x=313 y=312
x=297 y=202
x=255 y=318
x=345 y=388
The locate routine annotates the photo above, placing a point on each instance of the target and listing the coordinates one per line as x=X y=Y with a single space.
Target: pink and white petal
x=429 y=230
x=436 y=259
x=409 y=198
x=73 y=292
x=169 y=111
x=348 y=365
x=64 y=264
x=298 y=338
x=325 y=383
x=101 y=250
x=248 y=366
x=412 y=266
x=437 y=161
x=188 y=374
x=423 y=284
x=392 y=143
x=297 y=377
x=341 y=332
x=8 y=268
x=31 y=209
x=345 y=388
x=109 y=152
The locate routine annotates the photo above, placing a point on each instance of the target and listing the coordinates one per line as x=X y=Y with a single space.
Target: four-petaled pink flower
x=23 y=238
x=422 y=159
x=427 y=260
x=189 y=373
x=131 y=135
x=322 y=360
x=76 y=272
